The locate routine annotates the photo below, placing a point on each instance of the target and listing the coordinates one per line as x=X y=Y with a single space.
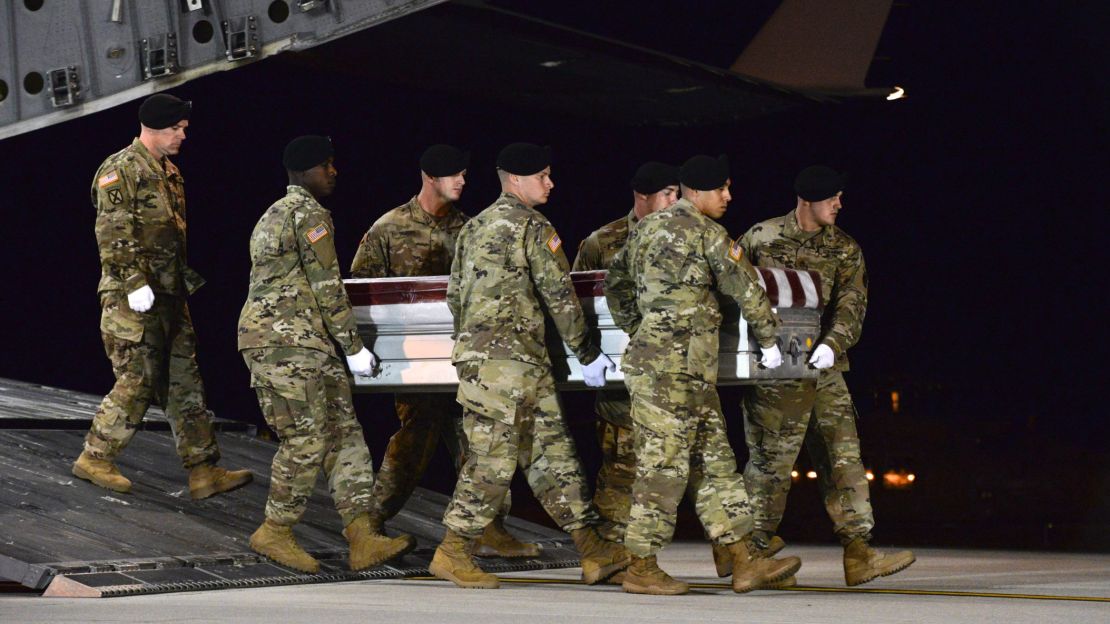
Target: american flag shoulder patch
x=735 y=251
x=316 y=233
x=554 y=243
x=108 y=179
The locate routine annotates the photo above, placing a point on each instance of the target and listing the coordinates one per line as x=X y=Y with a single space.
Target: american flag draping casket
x=406 y=323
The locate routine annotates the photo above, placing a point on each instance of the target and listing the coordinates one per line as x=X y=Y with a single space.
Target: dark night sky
x=977 y=200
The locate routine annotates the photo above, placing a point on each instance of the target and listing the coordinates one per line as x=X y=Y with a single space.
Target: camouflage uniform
x=509 y=266
x=296 y=310
x=660 y=290
x=140 y=232
x=613 y=492
x=409 y=242
x=779 y=418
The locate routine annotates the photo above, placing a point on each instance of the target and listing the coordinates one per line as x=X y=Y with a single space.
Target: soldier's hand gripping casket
x=363 y=363
x=141 y=300
x=772 y=357
x=823 y=357
x=594 y=372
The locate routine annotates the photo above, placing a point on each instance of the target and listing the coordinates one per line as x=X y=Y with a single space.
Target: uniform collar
x=632 y=219
x=684 y=205
x=294 y=189
x=164 y=166
x=790 y=228
x=419 y=215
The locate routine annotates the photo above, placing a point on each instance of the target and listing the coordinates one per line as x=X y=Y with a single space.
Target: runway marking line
x=816 y=589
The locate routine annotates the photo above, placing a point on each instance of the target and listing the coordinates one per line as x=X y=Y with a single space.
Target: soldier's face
x=167 y=141
x=825 y=211
x=450 y=188
x=320 y=180
x=535 y=188
x=713 y=204
x=663 y=199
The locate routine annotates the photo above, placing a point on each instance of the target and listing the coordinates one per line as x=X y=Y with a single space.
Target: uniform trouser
x=306 y=399
x=613 y=491
x=424 y=420
x=682 y=446
x=512 y=416
x=778 y=420
x=154 y=359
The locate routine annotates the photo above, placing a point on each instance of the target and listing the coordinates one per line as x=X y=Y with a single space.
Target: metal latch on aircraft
x=306 y=6
x=241 y=37
x=158 y=55
x=65 y=88
x=192 y=5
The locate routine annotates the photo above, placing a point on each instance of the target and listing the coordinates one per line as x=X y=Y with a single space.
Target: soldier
x=778 y=418
x=148 y=334
x=295 y=313
x=660 y=290
x=418 y=238
x=509 y=266
x=654 y=188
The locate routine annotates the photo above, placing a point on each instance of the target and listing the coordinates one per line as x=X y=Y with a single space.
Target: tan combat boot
x=100 y=472
x=600 y=558
x=208 y=479
x=863 y=563
x=452 y=562
x=369 y=548
x=722 y=558
x=644 y=576
x=752 y=572
x=276 y=541
x=495 y=541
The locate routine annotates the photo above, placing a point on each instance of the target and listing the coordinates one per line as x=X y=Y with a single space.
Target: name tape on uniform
x=554 y=243
x=316 y=233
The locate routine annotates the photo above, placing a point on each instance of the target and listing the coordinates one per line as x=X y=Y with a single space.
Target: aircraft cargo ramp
x=67 y=537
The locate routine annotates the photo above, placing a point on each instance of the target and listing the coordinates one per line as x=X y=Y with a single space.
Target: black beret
x=163 y=110
x=653 y=177
x=443 y=160
x=305 y=152
x=704 y=173
x=523 y=158
x=818 y=182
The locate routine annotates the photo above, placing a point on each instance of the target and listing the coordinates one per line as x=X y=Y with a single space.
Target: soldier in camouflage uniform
x=654 y=188
x=780 y=417
x=296 y=311
x=148 y=334
x=509 y=266
x=660 y=290
x=415 y=239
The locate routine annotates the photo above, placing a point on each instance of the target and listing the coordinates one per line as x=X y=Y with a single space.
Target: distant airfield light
x=870 y=476
x=895 y=401
x=897 y=94
x=812 y=474
x=911 y=477
x=550 y=64
x=793 y=474
x=898 y=480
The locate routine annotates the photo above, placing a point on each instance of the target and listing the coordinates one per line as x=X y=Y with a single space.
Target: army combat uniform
x=296 y=308
x=779 y=418
x=140 y=233
x=660 y=290
x=409 y=242
x=613 y=492
x=509 y=266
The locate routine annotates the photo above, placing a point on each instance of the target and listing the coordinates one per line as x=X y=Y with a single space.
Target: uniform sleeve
x=372 y=257
x=454 y=283
x=113 y=194
x=748 y=246
x=589 y=255
x=316 y=244
x=737 y=278
x=550 y=274
x=848 y=303
x=620 y=291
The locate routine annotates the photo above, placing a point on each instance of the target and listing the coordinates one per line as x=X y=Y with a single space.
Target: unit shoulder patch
x=108 y=179
x=554 y=243
x=735 y=251
x=316 y=233
x=115 y=196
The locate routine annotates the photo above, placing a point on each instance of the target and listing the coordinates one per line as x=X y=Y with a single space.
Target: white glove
x=823 y=357
x=141 y=300
x=362 y=363
x=594 y=372
x=772 y=357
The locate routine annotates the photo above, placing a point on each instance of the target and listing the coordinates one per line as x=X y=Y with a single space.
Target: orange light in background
x=898 y=479
x=895 y=401
x=870 y=475
x=793 y=474
x=812 y=474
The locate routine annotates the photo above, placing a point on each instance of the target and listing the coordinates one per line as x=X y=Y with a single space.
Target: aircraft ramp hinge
x=241 y=37
x=65 y=87
x=159 y=56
